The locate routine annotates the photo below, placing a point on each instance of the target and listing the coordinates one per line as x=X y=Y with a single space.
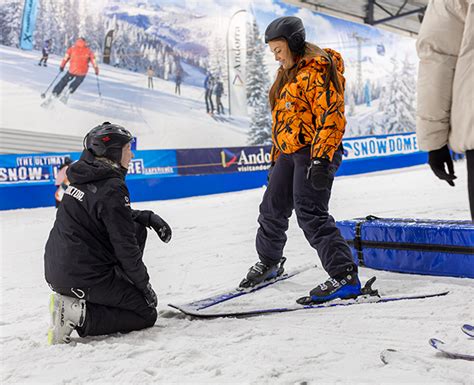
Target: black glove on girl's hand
x=150 y=296
x=437 y=160
x=318 y=173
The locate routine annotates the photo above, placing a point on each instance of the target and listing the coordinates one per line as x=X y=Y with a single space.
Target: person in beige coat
x=445 y=111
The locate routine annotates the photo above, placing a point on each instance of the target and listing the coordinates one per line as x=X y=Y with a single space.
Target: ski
x=48 y=102
x=201 y=304
x=386 y=355
x=450 y=351
x=468 y=329
x=364 y=299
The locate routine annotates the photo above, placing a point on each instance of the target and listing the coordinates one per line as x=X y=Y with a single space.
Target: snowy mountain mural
x=189 y=38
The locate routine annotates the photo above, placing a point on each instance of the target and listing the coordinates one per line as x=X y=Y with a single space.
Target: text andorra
x=259 y=158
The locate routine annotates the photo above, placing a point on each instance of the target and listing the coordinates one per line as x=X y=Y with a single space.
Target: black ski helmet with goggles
x=107 y=140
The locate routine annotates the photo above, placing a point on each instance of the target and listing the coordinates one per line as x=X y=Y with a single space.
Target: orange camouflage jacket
x=306 y=113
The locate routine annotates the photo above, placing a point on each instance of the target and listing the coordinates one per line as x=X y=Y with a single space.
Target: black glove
x=318 y=173
x=437 y=160
x=150 y=296
x=150 y=219
x=61 y=69
x=161 y=227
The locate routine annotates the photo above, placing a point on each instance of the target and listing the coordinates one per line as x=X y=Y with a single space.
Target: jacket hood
x=313 y=52
x=89 y=169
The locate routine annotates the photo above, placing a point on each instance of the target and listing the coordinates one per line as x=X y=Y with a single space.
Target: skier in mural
x=178 y=79
x=445 y=114
x=150 y=73
x=94 y=254
x=208 y=88
x=79 y=56
x=307 y=101
x=218 y=91
x=45 y=52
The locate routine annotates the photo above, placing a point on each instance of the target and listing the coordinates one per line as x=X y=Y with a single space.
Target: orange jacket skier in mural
x=79 y=56
x=307 y=100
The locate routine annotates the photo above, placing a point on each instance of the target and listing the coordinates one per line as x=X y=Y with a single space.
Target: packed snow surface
x=211 y=250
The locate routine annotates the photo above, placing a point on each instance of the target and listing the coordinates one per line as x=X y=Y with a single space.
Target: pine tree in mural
x=261 y=124
x=10 y=22
x=397 y=99
x=258 y=84
x=257 y=76
x=407 y=108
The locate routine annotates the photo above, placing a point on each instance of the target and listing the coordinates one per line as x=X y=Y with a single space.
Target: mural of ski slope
x=159 y=118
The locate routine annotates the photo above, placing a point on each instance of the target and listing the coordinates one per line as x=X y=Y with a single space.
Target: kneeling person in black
x=93 y=257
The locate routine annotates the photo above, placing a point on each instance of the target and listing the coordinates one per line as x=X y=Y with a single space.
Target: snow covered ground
x=211 y=249
x=159 y=118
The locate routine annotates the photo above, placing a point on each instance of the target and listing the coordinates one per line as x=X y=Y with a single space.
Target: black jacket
x=94 y=229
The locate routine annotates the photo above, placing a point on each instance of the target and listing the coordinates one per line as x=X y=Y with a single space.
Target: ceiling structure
x=400 y=16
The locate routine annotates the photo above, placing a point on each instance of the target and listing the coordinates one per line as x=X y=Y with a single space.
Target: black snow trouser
x=289 y=189
x=115 y=304
x=470 y=179
x=76 y=82
x=209 y=104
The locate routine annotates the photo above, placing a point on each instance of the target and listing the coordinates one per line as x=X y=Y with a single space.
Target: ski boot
x=343 y=286
x=260 y=272
x=67 y=313
x=65 y=95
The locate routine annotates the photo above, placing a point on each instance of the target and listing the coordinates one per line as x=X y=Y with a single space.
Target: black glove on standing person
x=318 y=173
x=438 y=159
x=150 y=296
x=150 y=219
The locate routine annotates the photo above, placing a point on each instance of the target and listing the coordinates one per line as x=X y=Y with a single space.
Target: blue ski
x=196 y=311
x=234 y=293
x=449 y=351
x=468 y=329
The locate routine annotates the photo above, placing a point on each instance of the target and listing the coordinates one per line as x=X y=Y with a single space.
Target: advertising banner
x=237 y=57
x=380 y=145
x=43 y=168
x=223 y=160
x=28 y=24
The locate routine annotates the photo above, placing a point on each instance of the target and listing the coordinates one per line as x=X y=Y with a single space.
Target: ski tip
x=468 y=330
x=385 y=355
x=434 y=342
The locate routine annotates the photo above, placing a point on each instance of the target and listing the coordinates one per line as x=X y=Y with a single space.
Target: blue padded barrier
x=420 y=246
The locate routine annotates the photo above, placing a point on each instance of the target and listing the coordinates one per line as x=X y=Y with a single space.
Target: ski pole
x=98 y=86
x=43 y=95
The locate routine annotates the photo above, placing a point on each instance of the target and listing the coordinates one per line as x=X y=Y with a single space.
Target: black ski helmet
x=290 y=28
x=107 y=140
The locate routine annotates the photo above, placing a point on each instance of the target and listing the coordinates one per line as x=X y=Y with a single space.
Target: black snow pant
x=44 y=58
x=470 y=179
x=219 y=105
x=76 y=82
x=209 y=104
x=115 y=304
x=289 y=189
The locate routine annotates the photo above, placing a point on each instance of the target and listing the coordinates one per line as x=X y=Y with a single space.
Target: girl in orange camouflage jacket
x=307 y=100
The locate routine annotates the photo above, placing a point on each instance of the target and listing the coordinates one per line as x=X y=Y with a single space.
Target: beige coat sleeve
x=438 y=47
